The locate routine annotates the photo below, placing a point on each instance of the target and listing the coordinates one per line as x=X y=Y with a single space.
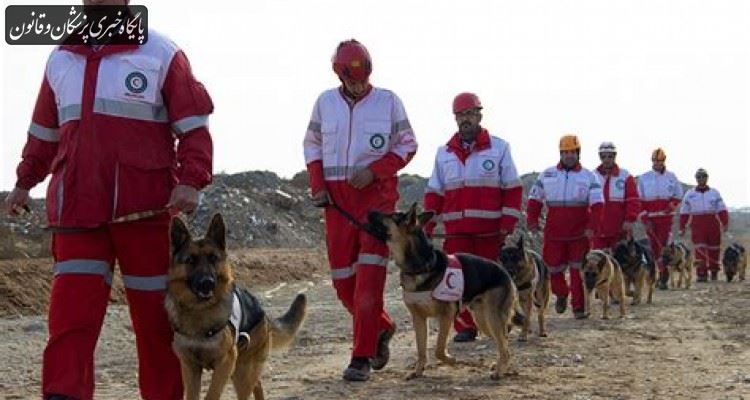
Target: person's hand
x=681 y=233
x=503 y=232
x=320 y=199
x=627 y=227
x=17 y=201
x=184 y=198
x=362 y=179
x=589 y=233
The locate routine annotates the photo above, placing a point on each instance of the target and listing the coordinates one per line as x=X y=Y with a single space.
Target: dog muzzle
x=589 y=279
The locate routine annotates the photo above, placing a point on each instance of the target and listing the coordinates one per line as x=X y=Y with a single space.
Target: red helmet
x=352 y=61
x=465 y=101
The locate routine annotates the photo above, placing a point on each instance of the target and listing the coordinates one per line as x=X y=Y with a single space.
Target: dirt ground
x=689 y=344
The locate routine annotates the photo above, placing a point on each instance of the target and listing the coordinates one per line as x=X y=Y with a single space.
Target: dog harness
x=450 y=288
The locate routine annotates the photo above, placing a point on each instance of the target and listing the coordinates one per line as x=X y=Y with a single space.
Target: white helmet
x=607 y=147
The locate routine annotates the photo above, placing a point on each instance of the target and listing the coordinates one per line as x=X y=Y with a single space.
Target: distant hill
x=260 y=208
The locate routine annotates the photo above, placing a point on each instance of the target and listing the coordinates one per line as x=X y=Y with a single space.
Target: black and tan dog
x=638 y=269
x=531 y=277
x=602 y=272
x=488 y=290
x=219 y=325
x=679 y=261
x=734 y=262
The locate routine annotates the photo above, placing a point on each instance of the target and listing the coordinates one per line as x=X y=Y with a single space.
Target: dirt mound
x=25 y=284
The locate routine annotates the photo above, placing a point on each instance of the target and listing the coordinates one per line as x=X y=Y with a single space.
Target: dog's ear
x=217 y=232
x=179 y=235
x=425 y=217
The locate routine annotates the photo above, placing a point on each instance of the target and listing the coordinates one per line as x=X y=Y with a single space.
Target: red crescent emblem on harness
x=448 y=280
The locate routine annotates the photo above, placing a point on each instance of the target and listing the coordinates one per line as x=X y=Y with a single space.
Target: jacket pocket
x=143 y=184
x=329 y=136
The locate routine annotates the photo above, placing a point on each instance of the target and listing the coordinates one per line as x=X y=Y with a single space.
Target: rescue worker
x=358 y=138
x=621 y=203
x=660 y=194
x=475 y=190
x=105 y=124
x=574 y=200
x=705 y=212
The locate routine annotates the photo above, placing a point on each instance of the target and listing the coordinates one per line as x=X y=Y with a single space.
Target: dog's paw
x=448 y=360
x=542 y=334
x=413 y=375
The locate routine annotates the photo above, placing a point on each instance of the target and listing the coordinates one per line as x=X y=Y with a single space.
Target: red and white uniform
x=621 y=204
x=118 y=127
x=474 y=189
x=344 y=137
x=574 y=203
x=660 y=194
x=704 y=210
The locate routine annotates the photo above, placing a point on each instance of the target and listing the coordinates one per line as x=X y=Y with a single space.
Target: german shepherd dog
x=734 y=262
x=638 y=268
x=602 y=272
x=531 y=277
x=679 y=260
x=217 y=324
x=488 y=292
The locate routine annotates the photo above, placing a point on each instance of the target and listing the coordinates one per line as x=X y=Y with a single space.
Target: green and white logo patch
x=377 y=141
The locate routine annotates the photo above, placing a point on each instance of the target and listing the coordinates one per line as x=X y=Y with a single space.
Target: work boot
x=561 y=304
x=58 y=397
x=714 y=275
x=358 y=370
x=580 y=314
x=384 y=353
x=468 y=335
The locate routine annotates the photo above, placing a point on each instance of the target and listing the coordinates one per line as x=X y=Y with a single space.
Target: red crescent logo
x=448 y=280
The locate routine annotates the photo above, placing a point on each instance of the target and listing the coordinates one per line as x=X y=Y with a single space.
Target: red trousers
x=604 y=242
x=561 y=255
x=83 y=270
x=483 y=247
x=706 y=234
x=658 y=235
x=358 y=269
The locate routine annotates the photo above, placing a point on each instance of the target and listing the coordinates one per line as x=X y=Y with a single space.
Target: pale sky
x=640 y=73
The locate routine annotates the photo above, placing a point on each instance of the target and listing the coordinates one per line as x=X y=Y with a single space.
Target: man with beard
x=358 y=138
x=574 y=200
x=474 y=189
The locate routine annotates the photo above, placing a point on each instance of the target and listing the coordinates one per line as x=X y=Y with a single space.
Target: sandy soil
x=690 y=344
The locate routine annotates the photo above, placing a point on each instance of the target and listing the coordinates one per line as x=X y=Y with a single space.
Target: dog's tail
x=284 y=328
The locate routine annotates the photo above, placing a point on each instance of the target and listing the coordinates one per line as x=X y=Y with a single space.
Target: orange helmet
x=465 y=101
x=352 y=61
x=658 y=155
x=569 y=143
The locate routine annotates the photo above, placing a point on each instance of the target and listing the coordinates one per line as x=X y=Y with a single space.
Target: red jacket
x=475 y=190
x=621 y=202
x=574 y=202
x=118 y=128
x=703 y=207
